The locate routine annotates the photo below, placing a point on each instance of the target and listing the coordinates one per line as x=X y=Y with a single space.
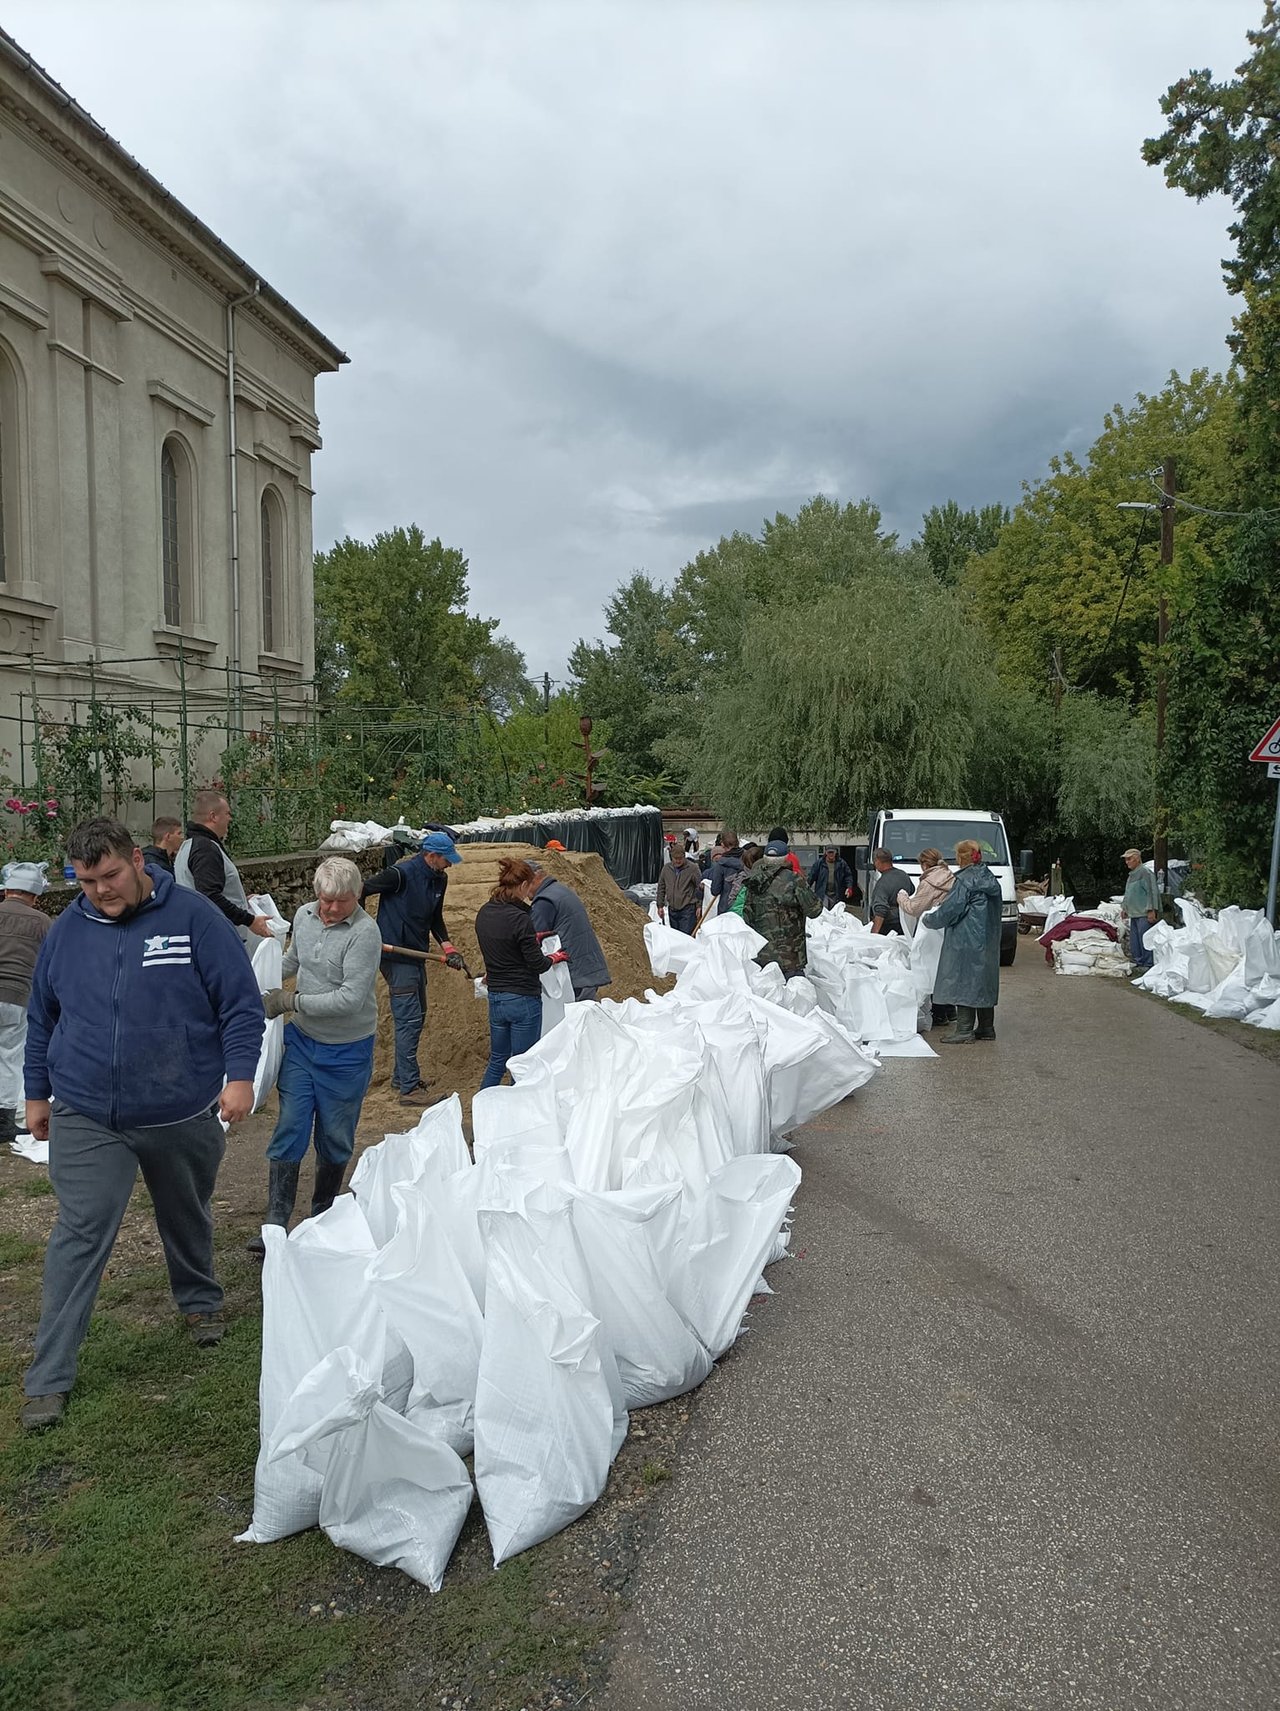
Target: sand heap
x=455 y=1042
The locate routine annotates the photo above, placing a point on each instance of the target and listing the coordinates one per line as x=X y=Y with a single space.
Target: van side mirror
x=1026 y=861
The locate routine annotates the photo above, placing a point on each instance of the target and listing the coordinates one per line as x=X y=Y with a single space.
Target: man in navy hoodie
x=143 y=1005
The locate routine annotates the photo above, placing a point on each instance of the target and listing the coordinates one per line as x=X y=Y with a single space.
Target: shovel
x=424 y=956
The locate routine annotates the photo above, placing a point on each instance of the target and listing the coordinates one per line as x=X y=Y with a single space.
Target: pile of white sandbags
x=599 y=1255
x=1227 y=965
x=355 y=835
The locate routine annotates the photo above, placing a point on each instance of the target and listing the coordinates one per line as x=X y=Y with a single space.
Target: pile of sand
x=455 y=1041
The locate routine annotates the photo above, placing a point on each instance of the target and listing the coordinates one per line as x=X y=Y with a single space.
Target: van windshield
x=905 y=838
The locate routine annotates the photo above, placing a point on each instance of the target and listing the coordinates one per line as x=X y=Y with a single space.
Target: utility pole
x=546 y=692
x=1160 y=828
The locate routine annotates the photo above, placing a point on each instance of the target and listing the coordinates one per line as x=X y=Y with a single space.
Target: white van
x=904 y=832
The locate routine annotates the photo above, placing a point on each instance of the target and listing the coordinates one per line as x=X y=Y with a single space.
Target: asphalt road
x=1006 y=1435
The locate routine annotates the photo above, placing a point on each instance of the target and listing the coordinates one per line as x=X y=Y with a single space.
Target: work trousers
x=93 y=1169
x=321 y=1088
x=1138 y=925
x=13 y=1045
x=683 y=920
x=515 y=1025
x=407 y=989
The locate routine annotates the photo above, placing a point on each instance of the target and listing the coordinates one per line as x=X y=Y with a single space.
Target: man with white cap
x=410 y=914
x=22 y=929
x=1142 y=905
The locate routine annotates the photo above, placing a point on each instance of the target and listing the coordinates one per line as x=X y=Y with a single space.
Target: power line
x=1209 y=511
x=1075 y=688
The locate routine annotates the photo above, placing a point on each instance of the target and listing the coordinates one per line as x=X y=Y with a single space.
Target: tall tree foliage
x=951 y=536
x=632 y=681
x=1224 y=138
x=392 y=627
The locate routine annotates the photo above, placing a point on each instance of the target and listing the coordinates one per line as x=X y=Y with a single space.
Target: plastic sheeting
x=1227 y=965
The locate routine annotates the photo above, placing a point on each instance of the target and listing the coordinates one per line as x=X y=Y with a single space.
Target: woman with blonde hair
x=514 y=966
x=936 y=880
x=969 y=966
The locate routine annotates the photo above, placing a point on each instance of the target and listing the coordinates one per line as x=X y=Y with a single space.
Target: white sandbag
x=263 y=903
x=268 y=970
x=314 y=1300
x=545 y=1421
x=435 y=1143
x=727 y=1235
x=835 y=1071
x=623 y=1234
x=423 y=1289
x=391 y=1492
x=557 y=987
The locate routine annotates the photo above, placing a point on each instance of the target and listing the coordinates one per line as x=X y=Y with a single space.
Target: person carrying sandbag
x=328 y=1043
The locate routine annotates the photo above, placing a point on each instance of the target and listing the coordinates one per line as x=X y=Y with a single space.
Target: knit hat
x=25 y=876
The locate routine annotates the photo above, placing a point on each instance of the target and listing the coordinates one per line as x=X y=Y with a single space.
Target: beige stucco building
x=130 y=535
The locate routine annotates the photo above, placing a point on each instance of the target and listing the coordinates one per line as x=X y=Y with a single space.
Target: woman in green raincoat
x=969 y=967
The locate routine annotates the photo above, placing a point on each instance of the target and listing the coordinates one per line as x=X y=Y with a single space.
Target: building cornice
x=44 y=109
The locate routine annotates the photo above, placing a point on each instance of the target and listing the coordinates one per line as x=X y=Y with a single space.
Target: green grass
x=121 y=1587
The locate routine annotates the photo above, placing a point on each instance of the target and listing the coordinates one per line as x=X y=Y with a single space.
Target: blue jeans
x=683 y=920
x=407 y=989
x=321 y=1086
x=515 y=1024
x=1138 y=954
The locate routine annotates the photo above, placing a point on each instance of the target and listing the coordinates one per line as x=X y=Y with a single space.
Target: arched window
x=272 y=560
x=268 y=580
x=171 y=535
x=178 y=539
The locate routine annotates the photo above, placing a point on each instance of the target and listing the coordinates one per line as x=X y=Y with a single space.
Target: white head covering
x=25 y=876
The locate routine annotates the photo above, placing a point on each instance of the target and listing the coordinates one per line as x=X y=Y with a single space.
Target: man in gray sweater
x=328 y=1044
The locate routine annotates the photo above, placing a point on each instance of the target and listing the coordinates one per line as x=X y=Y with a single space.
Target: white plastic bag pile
x=356 y=835
x=1228 y=966
x=875 y=985
x=599 y=1255
x=1088 y=950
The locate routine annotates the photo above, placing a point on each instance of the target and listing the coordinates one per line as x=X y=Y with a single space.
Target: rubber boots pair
x=282 y=1191
x=986 y=1028
x=962 y=1033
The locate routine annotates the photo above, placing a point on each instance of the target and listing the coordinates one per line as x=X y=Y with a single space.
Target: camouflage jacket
x=777 y=902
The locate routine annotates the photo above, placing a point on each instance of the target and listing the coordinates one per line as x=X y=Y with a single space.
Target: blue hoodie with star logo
x=138 y=1021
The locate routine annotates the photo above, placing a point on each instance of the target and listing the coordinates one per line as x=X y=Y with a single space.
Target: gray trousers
x=93 y=1170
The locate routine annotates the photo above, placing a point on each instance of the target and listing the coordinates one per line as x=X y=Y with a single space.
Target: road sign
x=1269 y=747
x=1273 y=769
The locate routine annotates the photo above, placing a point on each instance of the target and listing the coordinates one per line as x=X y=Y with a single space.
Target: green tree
x=950 y=537
x=632 y=681
x=1224 y=138
x=393 y=626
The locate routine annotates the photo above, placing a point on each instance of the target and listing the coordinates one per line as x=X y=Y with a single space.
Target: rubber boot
x=8 y=1125
x=942 y=1014
x=961 y=1029
x=282 y=1191
x=986 y=1029
x=328 y=1186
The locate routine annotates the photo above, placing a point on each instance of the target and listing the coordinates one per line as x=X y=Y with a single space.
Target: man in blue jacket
x=410 y=914
x=143 y=1005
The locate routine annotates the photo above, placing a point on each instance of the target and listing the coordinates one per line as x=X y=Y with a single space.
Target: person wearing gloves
x=558 y=909
x=969 y=967
x=328 y=1042
x=778 y=902
x=203 y=865
x=1142 y=906
x=145 y=1024
x=410 y=914
x=22 y=931
x=679 y=892
x=514 y=965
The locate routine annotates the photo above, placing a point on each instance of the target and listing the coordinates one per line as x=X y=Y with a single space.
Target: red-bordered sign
x=1269 y=747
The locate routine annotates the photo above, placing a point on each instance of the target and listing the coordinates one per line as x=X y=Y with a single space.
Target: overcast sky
x=618 y=278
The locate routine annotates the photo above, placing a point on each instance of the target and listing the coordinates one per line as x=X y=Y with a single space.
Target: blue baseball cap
x=776 y=848
x=440 y=843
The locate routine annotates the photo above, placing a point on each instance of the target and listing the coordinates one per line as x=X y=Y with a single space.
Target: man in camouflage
x=778 y=899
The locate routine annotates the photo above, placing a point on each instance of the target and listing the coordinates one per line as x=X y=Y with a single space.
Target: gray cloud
x=615 y=279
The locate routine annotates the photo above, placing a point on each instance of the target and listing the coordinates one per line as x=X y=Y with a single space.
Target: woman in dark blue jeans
x=513 y=966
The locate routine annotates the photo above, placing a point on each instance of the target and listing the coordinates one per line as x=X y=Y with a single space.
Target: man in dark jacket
x=410 y=914
x=778 y=902
x=832 y=881
x=166 y=840
x=558 y=909
x=145 y=1023
x=679 y=892
x=203 y=865
x=724 y=870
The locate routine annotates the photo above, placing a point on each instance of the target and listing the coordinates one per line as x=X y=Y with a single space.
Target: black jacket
x=157 y=857
x=509 y=946
x=209 y=873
